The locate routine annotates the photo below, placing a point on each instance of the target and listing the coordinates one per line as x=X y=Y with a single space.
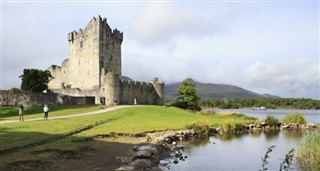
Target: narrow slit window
x=81 y=44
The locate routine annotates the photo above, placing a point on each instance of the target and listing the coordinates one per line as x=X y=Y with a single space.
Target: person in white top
x=46 y=112
x=21 y=113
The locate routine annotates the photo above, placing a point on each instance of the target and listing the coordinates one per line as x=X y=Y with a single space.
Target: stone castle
x=94 y=69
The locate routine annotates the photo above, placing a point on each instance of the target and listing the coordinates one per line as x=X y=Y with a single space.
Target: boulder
x=126 y=168
x=142 y=154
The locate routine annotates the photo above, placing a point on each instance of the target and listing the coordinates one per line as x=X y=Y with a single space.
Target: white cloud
x=293 y=77
x=161 y=22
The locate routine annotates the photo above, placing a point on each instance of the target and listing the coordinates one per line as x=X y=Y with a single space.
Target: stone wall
x=135 y=92
x=7 y=98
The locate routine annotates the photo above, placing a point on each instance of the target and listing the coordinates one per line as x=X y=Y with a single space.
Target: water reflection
x=295 y=134
x=271 y=134
x=243 y=152
x=198 y=142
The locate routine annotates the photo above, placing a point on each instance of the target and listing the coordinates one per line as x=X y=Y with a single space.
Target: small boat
x=259 y=108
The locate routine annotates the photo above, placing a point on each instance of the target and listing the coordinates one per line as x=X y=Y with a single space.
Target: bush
x=308 y=154
x=271 y=120
x=200 y=128
x=231 y=128
x=294 y=118
x=15 y=90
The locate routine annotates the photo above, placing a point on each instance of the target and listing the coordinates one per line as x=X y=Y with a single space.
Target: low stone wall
x=7 y=98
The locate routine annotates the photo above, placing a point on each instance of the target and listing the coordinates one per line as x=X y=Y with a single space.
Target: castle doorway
x=135 y=101
x=102 y=100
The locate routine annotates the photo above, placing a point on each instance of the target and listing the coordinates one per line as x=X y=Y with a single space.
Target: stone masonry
x=94 y=69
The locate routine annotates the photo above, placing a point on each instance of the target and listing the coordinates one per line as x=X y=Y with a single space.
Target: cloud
x=294 y=77
x=161 y=22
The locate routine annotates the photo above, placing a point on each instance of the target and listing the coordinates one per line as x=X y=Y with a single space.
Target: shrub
x=231 y=128
x=200 y=128
x=271 y=120
x=15 y=90
x=308 y=153
x=294 y=118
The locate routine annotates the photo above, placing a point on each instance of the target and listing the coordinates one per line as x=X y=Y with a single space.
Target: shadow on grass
x=67 y=153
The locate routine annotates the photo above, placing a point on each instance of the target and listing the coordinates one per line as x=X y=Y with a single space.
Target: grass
x=127 y=120
x=11 y=113
x=294 y=118
x=308 y=154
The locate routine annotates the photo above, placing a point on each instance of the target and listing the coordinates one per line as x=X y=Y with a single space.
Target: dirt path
x=73 y=115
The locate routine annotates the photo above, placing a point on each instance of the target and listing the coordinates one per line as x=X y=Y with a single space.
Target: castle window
x=81 y=44
x=110 y=59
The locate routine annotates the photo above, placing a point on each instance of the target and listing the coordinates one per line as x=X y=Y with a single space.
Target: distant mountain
x=208 y=90
x=269 y=95
x=122 y=77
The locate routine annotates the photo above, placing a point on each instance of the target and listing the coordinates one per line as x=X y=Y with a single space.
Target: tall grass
x=308 y=154
x=294 y=118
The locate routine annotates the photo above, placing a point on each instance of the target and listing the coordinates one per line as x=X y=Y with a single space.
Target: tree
x=35 y=80
x=187 y=97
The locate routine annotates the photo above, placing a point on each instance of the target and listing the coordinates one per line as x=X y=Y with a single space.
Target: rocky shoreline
x=159 y=149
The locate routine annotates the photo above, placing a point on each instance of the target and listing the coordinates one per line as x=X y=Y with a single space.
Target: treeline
x=270 y=103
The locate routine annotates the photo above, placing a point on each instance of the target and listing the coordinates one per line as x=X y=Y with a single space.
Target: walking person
x=21 y=112
x=46 y=112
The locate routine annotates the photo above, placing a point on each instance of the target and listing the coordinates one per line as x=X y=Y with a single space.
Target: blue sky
x=266 y=47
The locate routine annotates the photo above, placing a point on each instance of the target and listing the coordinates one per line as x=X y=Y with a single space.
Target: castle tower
x=96 y=45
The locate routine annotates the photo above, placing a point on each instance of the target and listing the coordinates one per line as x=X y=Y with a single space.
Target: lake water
x=238 y=153
x=243 y=152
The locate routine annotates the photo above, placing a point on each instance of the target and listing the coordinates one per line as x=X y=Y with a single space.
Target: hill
x=209 y=90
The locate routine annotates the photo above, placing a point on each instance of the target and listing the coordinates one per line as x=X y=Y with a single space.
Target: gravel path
x=73 y=115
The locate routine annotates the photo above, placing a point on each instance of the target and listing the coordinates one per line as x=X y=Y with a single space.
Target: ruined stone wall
x=134 y=92
x=7 y=98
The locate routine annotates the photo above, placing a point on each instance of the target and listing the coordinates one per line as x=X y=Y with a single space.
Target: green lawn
x=127 y=120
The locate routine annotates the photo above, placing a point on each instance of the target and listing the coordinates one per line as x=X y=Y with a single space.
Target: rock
x=142 y=163
x=175 y=161
x=150 y=148
x=142 y=154
x=125 y=168
x=155 y=168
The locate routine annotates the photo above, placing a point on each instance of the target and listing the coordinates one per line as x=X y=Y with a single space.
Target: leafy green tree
x=35 y=80
x=187 y=97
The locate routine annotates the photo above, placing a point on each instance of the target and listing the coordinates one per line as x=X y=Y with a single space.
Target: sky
x=262 y=46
